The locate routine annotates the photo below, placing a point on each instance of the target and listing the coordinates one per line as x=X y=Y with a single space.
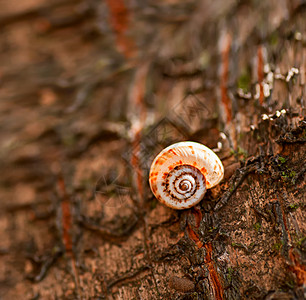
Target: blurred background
x=91 y=90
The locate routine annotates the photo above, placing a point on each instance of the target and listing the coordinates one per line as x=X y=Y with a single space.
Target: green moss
x=257 y=226
x=290 y=283
x=211 y=229
x=194 y=296
x=153 y=204
x=229 y=275
x=204 y=59
x=251 y=246
x=293 y=206
x=277 y=246
x=232 y=152
x=55 y=250
x=242 y=151
x=281 y=159
x=273 y=40
x=69 y=140
x=244 y=81
x=292 y=175
x=301 y=240
x=289 y=176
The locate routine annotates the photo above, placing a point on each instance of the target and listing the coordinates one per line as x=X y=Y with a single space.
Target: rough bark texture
x=92 y=90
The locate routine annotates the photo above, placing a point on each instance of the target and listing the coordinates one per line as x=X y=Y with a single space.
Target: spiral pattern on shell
x=181 y=173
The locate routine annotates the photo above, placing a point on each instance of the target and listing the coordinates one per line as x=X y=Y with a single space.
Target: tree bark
x=93 y=90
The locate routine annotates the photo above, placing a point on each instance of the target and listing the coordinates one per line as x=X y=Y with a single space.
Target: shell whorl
x=181 y=173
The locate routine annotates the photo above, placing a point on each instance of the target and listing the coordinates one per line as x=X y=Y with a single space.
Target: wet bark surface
x=92 y=90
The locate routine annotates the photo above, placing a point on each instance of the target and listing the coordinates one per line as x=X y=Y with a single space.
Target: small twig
x=295 y=135
x=25 y=206
x=108 y=233
x=237 y=180
x=279 y=219
x=241 y=246
x=44 y=264
x=128 y=275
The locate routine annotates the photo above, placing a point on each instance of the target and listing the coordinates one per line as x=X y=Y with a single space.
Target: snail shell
x=181 y=173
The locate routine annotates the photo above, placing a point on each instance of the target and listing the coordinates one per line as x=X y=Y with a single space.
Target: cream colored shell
x=181 y=173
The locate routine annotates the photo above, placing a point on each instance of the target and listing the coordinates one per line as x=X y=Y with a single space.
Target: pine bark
x=93 y=90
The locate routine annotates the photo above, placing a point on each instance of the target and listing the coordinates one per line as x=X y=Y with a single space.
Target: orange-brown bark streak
x=193 y=236
x=214 y=278
x=213 y=275
x=260 y=73
x=139 y=114
x=197 y=216
x=297 y=268
x=224 y=78
x=119 y=20
x=135 y=161
x=66 y=227
x=66 y=217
